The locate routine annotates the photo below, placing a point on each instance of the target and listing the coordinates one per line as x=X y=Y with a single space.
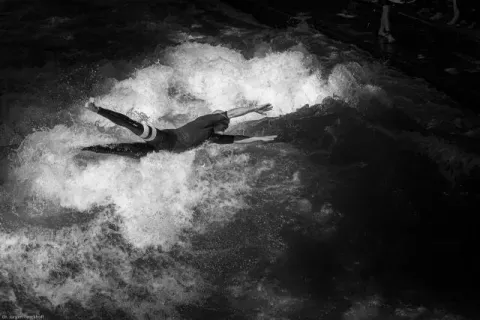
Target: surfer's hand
x=266 y=138
x=263 y=109
x=90 y=105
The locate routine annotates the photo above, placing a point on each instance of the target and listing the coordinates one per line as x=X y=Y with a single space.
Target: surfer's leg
x=144 y=131
x=140 y=129
x=123 y=120
x=135 y=150
x=385 y=22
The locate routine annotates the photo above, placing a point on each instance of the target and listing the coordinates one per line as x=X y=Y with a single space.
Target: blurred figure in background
x=467 y=10
x=349 y=11
x=456 y=13
x=441 y=8
x=384 y=30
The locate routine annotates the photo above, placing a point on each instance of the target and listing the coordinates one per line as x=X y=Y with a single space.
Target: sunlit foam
x=153 y=200
x=145 y=203
x=159 y=194
x=89 y=267
x=139 y=204
x=156 y=197
x=145 y=92
x=150 y=195
x=224 y=78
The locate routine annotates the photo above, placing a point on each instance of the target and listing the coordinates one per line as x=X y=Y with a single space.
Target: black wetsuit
x=181 y=139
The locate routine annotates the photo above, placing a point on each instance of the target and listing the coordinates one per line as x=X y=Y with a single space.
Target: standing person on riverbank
x=384 y=30
x=474 y=15
x=456 y=13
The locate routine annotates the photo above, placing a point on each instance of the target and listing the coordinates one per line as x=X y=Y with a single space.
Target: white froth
x=71 y=265
x=214 y=77
x=155 y=197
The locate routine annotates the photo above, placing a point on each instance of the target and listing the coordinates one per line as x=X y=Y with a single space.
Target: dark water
x=363 y=208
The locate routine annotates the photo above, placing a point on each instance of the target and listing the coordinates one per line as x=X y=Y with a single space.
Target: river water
x=359 y=210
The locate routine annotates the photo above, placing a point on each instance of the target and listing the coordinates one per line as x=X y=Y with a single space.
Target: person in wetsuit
x=209 y=127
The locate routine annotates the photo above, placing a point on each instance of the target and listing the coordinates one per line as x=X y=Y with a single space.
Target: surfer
x=209 y=127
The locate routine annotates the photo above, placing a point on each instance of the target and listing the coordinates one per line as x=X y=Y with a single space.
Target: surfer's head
x=221 y=126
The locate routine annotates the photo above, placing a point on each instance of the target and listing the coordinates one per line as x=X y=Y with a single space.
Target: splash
x=155 y=196
x=94 y=270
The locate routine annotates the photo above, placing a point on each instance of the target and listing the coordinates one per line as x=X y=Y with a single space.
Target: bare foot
x=90 y=105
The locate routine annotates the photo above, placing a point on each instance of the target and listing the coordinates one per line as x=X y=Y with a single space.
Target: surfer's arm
x=245 y=140
x=238 y=139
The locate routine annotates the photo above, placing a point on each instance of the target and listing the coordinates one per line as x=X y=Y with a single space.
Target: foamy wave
x=92 y=267
x=156 y=197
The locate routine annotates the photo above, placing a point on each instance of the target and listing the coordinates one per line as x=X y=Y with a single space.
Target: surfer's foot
x=90 y=105
x=387 y=35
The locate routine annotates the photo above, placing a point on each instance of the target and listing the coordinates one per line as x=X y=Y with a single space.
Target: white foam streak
x=72 y=265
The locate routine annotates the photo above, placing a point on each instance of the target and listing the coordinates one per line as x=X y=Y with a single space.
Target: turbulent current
x=299 y=228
